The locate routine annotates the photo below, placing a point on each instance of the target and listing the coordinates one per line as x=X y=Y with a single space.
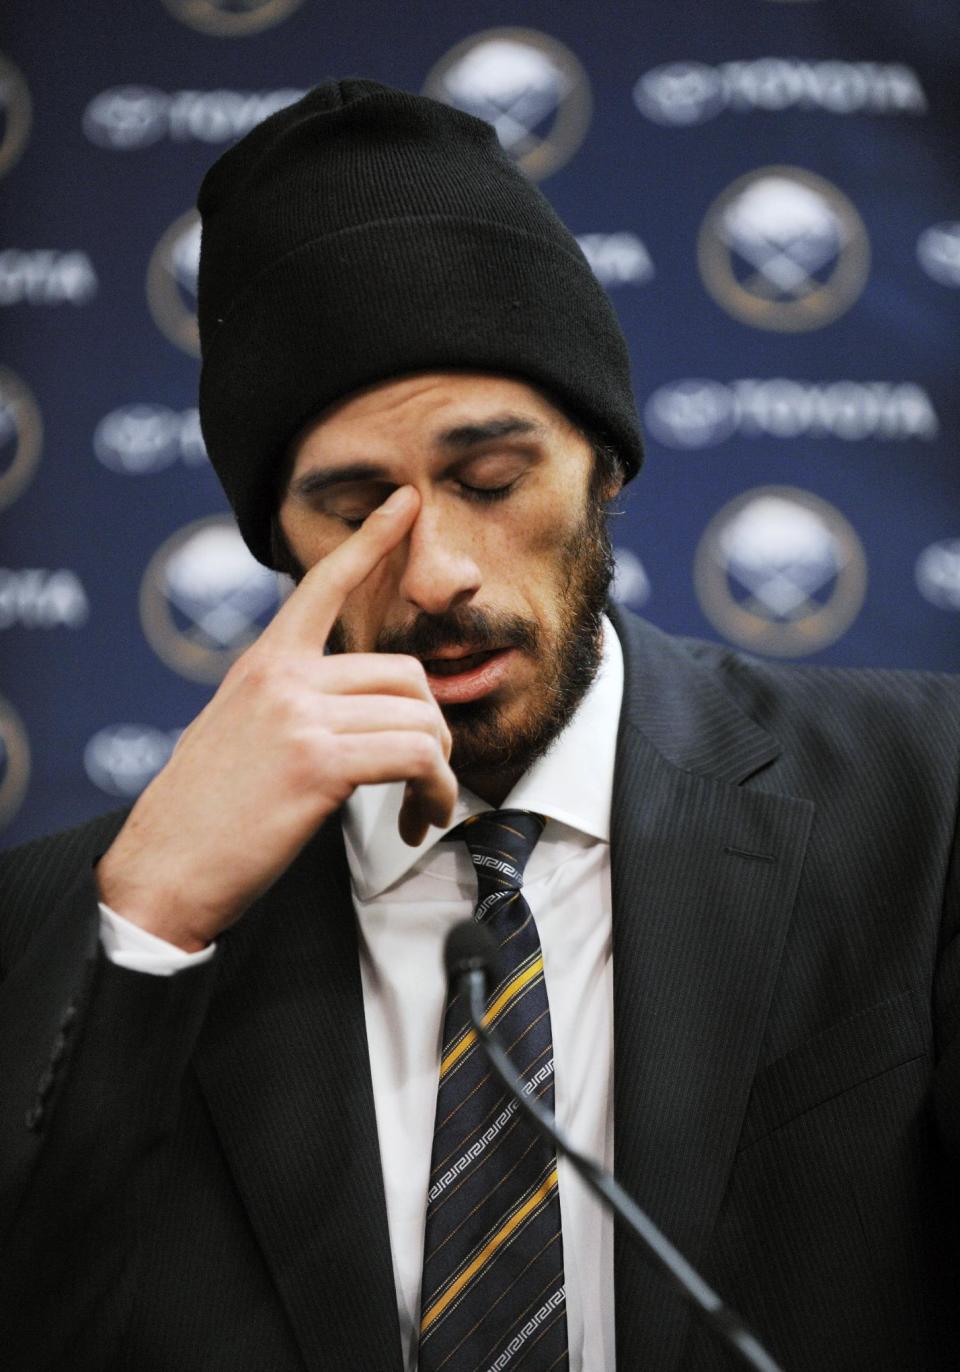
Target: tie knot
x=500 y=843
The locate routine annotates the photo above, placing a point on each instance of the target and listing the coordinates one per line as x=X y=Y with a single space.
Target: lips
x=450 y=664
x=455 y=680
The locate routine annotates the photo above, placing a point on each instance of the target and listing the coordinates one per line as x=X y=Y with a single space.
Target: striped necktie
x=493 y=1293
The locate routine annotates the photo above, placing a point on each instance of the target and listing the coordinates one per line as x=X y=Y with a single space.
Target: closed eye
x=483 y=495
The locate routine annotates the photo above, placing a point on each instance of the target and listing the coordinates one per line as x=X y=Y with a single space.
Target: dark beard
x=483 y=742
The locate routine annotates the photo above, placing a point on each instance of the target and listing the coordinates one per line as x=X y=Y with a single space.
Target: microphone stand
x=671 y=1263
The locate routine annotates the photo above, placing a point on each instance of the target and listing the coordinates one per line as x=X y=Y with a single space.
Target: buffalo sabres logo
x=15 y=114
x=938 y=249
x=783 y=249
x=14 y=762
x=938 y=574
x=779 y=571
x=204 y=599
x=231 y=18
x=172 y=282
x=21 y=436
x=528 y=86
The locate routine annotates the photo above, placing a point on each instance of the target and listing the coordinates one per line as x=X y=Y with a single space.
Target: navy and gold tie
x=493 y=1294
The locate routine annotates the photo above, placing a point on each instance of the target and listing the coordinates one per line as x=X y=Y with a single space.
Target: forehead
x=422 y=409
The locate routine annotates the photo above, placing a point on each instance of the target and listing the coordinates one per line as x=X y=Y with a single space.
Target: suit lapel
x=284 y=1066
x=704 y=874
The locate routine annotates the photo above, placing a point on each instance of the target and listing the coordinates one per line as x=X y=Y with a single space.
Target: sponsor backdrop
x=767 y=188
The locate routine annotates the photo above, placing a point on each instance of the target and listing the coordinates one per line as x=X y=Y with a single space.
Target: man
x=227 y=1058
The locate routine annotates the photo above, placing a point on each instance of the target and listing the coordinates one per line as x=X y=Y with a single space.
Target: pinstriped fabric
x=493 y=1293
x=29 y=872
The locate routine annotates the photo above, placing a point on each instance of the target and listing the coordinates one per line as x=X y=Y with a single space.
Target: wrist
x=157 y=914
x=170 y=932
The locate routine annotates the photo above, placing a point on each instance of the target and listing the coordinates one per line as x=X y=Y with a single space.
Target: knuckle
x=256 y=671
x=425 y=717
x=310 y=757
x=424 y=753
x=276 y=674
x=412 y=671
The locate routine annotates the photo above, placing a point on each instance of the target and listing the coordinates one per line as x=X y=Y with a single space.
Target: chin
x=489 y=736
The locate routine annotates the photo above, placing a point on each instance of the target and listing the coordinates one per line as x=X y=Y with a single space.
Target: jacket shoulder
x=890 y=738
x=849 y=720
x=869 y=702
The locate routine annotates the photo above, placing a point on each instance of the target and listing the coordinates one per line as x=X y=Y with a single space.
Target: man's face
x=499 y=586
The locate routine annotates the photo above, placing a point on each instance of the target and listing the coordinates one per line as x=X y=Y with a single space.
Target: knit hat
x=363 y=234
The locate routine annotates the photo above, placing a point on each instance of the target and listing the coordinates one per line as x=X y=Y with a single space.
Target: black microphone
x=468 y=954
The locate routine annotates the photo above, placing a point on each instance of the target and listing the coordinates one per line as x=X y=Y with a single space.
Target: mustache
x=478 y=629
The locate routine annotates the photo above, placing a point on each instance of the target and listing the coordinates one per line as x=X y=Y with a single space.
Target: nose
x=439 y=573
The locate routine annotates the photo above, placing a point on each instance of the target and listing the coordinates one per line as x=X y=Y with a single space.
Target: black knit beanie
x=364 y=234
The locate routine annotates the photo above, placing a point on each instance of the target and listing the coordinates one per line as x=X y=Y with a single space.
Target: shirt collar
x=572 y=783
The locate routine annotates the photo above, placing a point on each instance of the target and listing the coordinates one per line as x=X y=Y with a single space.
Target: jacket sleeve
x=946 y=1093
x=92 y=1057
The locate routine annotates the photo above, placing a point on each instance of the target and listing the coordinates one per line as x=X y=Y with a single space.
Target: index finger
x=313 y=606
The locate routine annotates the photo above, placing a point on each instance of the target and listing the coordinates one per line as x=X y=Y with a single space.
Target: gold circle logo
x=231 y=18
x=783 y=249
x=204 y=599
x=172 y=282
x=531 y=88
x=780 y=571
x=15 y=111
x=21 y=437
x=14 y=762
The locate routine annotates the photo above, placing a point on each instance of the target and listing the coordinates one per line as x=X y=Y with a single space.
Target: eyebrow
x=466 y=436
x=461 y=439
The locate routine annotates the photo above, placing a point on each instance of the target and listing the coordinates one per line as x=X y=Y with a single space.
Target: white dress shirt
x=406 y=899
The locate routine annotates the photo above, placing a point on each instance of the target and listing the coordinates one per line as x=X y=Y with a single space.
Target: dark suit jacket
x=190 y=1167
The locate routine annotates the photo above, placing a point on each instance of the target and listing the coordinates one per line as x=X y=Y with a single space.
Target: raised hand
x=284 y=741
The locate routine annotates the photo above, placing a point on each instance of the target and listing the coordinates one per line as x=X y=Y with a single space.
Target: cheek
x=544 y=539
x=536 y=530
x=307 y=538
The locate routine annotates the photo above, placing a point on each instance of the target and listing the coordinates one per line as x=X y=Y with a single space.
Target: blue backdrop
x=767 y=188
